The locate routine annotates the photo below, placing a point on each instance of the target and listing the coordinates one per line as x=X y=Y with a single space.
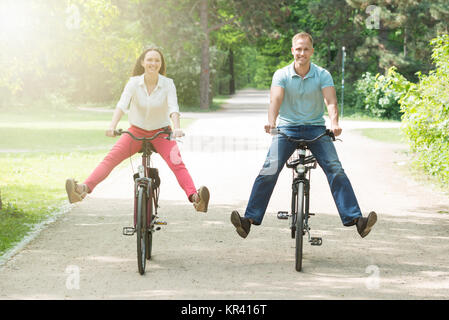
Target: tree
x=404 y=30
x=254 y=17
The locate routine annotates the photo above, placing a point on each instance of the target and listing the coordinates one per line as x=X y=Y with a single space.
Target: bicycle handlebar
x=328 y=132
x=120 y=132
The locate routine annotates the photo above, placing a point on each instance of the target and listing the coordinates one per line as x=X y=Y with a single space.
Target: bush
x=375 y=96
x=426 y=113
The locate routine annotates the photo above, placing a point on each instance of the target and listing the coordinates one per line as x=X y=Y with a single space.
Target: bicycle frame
x=300 y=204
x=146 y=194
x=301 y=167
x=144 y=179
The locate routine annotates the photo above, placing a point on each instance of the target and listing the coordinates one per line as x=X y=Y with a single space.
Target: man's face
x=302 y=51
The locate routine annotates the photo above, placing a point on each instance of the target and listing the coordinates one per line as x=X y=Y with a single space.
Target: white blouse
x=145 y=111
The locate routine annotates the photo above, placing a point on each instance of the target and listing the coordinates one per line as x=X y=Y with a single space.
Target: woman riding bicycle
x=150 y=98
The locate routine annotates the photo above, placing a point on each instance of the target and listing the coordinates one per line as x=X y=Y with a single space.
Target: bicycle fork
x=285 y=215
x=143 y=182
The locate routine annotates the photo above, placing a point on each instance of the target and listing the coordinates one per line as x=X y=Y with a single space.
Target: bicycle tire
x=299 y=227
x=141 y=229
x=150 y=213
x=294 y=207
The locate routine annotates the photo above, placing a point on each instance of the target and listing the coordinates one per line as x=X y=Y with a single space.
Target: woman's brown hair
x=139 y=70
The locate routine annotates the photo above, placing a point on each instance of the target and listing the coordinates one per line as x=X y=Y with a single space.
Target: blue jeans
x=326 y=155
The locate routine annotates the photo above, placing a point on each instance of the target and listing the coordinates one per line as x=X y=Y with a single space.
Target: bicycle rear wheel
x=299 y=226
x=141 y=229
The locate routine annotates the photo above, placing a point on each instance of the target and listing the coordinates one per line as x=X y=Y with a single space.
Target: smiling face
x=302 y=51
x=152 y=62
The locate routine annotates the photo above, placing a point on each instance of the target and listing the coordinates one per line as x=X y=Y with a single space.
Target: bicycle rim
x=141 y=230
x=299 y=227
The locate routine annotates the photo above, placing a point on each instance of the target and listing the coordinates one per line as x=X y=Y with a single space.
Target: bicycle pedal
x=160 y=223
x=128 y=231
x=316 y=241
x=283 y=215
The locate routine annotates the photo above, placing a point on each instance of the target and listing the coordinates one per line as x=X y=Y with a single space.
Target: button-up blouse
x=149 y=111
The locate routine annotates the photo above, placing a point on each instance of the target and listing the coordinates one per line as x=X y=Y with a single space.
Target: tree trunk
x=231 y=72
x=405 y=42
x=205 y=57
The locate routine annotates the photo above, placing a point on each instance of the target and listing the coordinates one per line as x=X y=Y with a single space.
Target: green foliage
x=426 y=113
x=378 y=97
x=85 y=50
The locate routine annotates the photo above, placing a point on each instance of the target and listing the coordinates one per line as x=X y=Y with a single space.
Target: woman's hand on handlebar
x=178 y=133
x=110 y=133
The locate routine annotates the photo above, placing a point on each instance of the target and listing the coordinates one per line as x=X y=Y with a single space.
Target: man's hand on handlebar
x=336 y=129
x=269 y=128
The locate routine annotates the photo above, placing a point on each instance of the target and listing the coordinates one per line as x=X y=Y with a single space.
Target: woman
x=152 y=101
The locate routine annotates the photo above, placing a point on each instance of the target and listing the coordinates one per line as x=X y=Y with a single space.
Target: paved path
x=82 y=255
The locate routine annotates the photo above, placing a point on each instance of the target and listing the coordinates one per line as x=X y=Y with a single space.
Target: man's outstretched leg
x=280 y=151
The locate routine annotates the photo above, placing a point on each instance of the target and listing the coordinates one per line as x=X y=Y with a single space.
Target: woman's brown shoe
x=72 y=188
x=202 y=200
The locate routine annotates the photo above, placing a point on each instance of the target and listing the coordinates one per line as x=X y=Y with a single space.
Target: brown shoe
x=72 y=188
x=202 y=200
x=242 y=225
x=365 y=224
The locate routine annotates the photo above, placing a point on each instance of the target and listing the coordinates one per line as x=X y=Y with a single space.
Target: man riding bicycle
x=298 y=95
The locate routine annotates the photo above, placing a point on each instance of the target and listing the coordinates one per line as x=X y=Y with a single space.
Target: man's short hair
x=302 y=35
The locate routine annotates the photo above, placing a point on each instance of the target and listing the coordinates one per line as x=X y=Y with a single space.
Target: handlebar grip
x=330 y=134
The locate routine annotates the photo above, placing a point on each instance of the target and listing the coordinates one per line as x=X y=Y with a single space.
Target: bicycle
x=301 y=163
x=146 y=196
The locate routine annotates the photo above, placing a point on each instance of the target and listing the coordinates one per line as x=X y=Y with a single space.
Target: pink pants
x=126 y=147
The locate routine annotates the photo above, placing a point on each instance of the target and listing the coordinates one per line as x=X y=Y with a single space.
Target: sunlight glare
x=15 y=19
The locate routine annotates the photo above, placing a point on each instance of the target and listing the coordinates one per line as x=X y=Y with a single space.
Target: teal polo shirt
x=303 y=102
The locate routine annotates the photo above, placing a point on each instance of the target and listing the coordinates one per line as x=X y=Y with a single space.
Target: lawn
x=389 y=135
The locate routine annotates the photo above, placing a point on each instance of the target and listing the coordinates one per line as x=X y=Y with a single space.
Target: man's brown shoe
x=242 y=225
x=203 y=199
x=364 y=225
x=74 y=195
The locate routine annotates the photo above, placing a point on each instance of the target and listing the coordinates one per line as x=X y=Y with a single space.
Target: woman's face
x=152 y=62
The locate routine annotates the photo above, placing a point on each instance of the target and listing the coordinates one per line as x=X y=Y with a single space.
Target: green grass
x=217 y=101
x=389 y=135
x=39 y=148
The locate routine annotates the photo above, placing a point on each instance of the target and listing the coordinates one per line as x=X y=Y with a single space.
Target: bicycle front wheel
x=299 y=226
x=141 y=229
x=150 y=216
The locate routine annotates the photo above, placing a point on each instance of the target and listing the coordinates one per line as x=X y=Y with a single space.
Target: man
x=298 y=94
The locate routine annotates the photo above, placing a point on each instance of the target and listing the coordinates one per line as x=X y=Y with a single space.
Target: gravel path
x=83 y=255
